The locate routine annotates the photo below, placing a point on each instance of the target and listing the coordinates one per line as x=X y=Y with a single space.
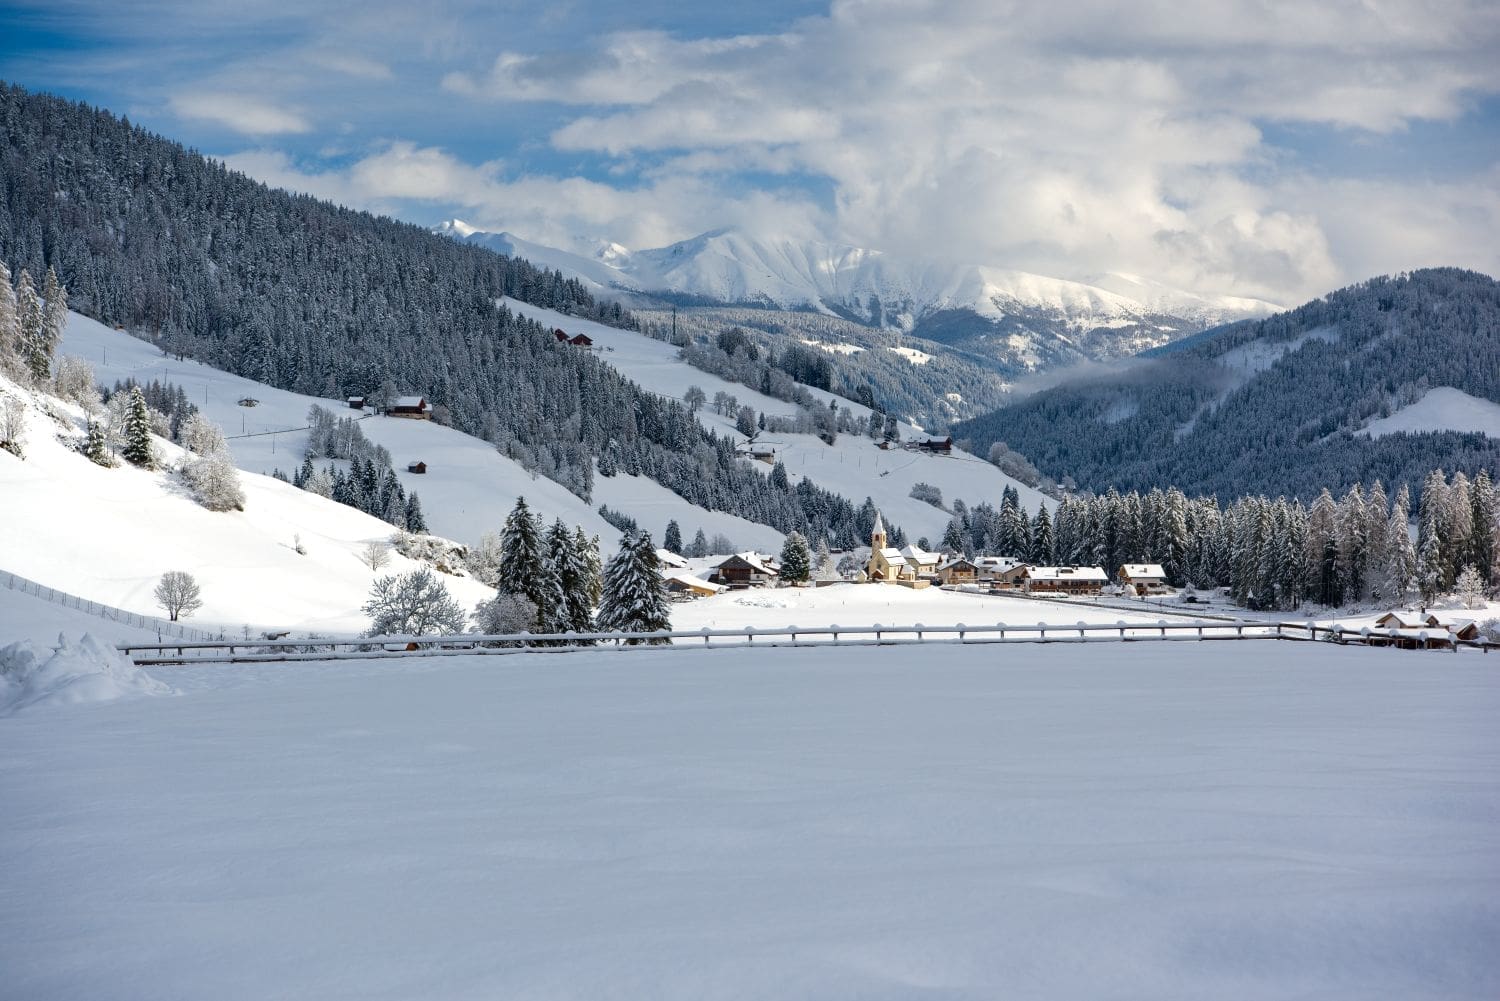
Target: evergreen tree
x=1041 y=538
x=796 y=560
x=635 y=594
x=588 y=549
x=31 y=329
x=415 y=522
x=1401 y=555
x=137 y=432
x=96 y=444
x=10 y=331
x=699 y=547
x=524 y=569
x=953 y=536
x=54 y=314
x=571 y=568
x=671 y=540
x=1430 y=568
x=1484 y=522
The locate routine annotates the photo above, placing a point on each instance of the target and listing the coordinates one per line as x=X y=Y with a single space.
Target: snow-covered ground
x=1441 y=409
x=852 y=466
x=1241 y=820
x=468 y=488
x=109 y=534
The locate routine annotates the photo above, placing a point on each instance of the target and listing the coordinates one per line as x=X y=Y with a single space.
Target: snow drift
x=72 y=672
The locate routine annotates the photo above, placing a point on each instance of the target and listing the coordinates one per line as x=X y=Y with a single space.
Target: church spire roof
x=879 y=528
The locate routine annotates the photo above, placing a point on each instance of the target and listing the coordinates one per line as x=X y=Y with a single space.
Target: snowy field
x=1255 y=821
x=1441 y=409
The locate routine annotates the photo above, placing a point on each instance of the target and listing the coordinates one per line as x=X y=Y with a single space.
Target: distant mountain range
x=1020 y=321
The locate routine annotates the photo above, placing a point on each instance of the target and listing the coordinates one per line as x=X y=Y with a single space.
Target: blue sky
x=1263 y=148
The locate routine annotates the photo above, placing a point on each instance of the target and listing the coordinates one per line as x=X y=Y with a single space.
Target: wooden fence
x=368 y=648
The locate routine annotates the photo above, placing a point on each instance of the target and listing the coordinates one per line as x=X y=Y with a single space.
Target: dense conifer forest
x=311 y=297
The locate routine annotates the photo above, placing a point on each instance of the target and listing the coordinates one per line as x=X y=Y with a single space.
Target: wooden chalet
x=1146 y=578
x=356 y=402
x=670 y=560
x=1419 y=631
x=581 y=341
x=1000 y=572
x=560 y=335
x=420 y=468
x=958 y=571
x=1064 y=580
x=413 y=407
x=941 y=446
x=744 y=570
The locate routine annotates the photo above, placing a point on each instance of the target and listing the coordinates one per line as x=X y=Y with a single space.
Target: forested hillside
x=1275 y=406
x=323 y=300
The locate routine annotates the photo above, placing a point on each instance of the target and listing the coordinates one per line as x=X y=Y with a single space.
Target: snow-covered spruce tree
x=178 y=593
x=671 y=540
x=35 y=352
x=10 y=331
x=635 y=595
x=1430 y=569
x=1400 y=554
x=796 y=560
x=54 y=314
x=137 y=432
x=699 y=548
x=413 y=604
x=96 y=445
x=571 y=568
x=588 y=550
x=524 y=568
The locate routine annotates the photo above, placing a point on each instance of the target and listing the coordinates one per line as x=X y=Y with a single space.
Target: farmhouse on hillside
x=1064 y=580
x=581 y=341
x=414 y=407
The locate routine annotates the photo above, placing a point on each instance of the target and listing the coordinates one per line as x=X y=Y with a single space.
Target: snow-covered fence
x=162 y=627
x=258 y=651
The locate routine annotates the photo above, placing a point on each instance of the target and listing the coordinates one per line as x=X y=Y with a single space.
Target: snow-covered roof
x=879 y=528
x=1404 y=620
x=409 y=401
x=958 y=561
x=1067 y=573
x=996 y=562
x=1136 y=571
x=893 y=557
x=689 y=579
x=755 y=560
x=670 y=559
x=916 y=555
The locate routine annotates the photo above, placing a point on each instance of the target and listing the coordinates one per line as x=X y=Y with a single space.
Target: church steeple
x=877 y=534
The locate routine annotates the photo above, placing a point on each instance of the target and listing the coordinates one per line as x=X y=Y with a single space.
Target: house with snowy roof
x=686 y=584
x=744 y=570
x=922 y=563
x=1146 y=578
x=888 y=565
x=414 y=407
x=959 y=570
x=1064 y=580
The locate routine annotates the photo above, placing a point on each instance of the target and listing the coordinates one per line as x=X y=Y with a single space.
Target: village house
x=922 y=563
x=560 y=335
x=1000 y=572
x=1146 y=578
x=414 y=407
x=744 y=570
x=1064 y=580
x=670 y=560
x=887 y=565
x=683 y=585
x=581 y=341
x=958 y=570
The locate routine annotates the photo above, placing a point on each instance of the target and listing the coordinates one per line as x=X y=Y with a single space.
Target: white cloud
x=249 y=115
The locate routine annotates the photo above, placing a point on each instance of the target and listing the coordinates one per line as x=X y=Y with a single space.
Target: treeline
x=318 y=299
x=1270 y=554
x=1275 y=406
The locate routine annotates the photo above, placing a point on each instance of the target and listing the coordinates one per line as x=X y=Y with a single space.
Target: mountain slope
x=1277 y=406
x=1019 y=320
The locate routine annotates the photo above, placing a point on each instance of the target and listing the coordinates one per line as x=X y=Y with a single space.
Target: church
x=895 y=566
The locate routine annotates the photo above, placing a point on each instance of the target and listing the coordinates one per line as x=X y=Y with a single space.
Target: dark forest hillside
x=1275 y=406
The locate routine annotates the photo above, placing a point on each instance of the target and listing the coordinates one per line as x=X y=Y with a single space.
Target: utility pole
x=674 y=324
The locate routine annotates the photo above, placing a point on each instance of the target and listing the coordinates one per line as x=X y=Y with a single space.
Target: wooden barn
x=414 y=407
x=581 y=341
x=560 y=335
x=356 y=402
x=1064 y=580
x=941 y=446
x=420 y=468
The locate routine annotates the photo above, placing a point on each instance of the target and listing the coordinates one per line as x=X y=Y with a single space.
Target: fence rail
x=161 y=627
x=267 y=651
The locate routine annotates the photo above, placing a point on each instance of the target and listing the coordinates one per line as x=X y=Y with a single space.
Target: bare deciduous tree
x=178 y=593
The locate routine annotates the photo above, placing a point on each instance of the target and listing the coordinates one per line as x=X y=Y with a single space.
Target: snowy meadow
x=1234 y=820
